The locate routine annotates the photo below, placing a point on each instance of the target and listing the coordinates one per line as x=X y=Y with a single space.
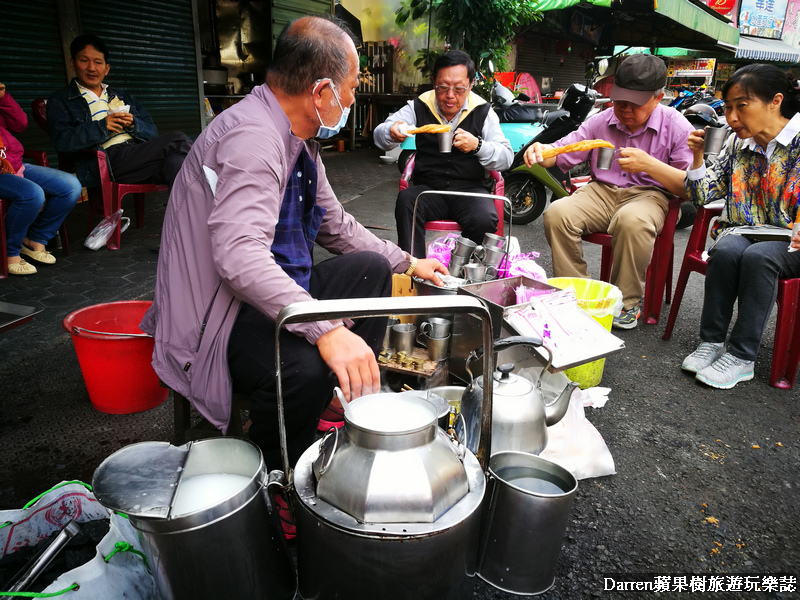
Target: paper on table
x=572 y=335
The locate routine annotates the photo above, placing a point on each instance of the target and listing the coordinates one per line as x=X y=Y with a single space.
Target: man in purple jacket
x=245 y=211
x=629 y=200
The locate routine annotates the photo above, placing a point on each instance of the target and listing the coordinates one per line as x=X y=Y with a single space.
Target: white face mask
x=324 y=132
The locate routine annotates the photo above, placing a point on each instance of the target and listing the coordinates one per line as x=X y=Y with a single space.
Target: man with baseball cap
x=630 y=199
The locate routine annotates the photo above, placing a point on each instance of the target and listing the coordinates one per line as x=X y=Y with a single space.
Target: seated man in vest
x=248 y=206
x=88 y=114
x=479 y=146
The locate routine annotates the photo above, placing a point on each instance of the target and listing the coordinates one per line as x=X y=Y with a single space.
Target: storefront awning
x=769 y=50
x=693 y=17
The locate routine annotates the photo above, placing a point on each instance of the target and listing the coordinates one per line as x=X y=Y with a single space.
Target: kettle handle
x=505 y=343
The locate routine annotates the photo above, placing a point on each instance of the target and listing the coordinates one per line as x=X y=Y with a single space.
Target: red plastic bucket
x=115 y=356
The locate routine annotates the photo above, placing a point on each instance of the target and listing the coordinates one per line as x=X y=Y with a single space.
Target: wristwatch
x=478 y=147
x=411 y=267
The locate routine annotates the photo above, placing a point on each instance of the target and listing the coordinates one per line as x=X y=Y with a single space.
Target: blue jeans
x=747 y=271
x=26 y=216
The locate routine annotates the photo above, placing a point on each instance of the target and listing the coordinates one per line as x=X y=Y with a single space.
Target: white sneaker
x=726 y=372
x=705 y=355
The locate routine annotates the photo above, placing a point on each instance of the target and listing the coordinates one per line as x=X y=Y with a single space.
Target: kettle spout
x=556 y=410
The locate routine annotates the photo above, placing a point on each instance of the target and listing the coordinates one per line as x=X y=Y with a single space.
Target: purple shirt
x=663 y=137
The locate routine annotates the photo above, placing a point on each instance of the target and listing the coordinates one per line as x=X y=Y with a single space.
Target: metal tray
x=13 y=315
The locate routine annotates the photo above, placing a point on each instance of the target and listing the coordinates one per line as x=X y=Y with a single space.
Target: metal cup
x=387 y=337
x=464 y=247
x=492 y=257
x=474 y=272
x=491 y=240
x=436 y=327
x=446 y=141
x=457 y=263
x=605 y=156
x=437 y=347
x=403 y=334
x=714 y=140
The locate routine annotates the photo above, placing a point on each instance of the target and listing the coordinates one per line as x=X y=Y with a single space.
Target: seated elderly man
x=479 y=146
x=88 y=114
x=244 y=214
x=630 y=200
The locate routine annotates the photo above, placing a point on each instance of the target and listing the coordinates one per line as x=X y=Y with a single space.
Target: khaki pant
x=632 y=216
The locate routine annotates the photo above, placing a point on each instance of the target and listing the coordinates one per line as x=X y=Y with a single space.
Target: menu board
x=701 y=67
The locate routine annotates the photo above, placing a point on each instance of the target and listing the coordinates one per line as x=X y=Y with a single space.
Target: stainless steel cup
x=387 y=337
x=714 y=140
x=446 y=141
x=605 y=156
x=436 y=327
x=437 y=348
x=491 y=240
x=492 y=257
x=474 y=272
x=457 y=263
x=464 y=247
x=403 y=334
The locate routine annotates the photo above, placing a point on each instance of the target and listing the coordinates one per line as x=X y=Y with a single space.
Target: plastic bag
x=118 y=570
x=441 y=247
x=524 y=265
x=105 y=229
x=597 y=298
x=575 y=444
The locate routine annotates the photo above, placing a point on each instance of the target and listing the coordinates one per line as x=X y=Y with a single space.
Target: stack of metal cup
x=485 y=260
x=461 y=255
x=435 y=336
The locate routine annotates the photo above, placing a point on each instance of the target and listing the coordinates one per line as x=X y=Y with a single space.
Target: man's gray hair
x=310 y=48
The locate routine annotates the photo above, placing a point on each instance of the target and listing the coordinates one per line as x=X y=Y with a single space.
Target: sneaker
x=726 y=372
x=628 y=318
x=285 y=516
x=706 y=354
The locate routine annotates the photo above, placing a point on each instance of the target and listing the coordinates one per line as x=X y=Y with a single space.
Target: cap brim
x=619 y=94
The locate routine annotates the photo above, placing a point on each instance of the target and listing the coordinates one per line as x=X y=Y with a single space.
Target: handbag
x=5 y=166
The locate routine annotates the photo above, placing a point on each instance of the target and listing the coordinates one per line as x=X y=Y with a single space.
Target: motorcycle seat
x=524 y=113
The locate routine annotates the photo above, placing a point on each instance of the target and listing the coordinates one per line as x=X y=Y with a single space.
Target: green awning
x=693 y=17
x=545 y=5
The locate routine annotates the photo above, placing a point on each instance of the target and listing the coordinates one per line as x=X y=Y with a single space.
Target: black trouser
x=156 y=161
x=307 y=381
x=476 y=216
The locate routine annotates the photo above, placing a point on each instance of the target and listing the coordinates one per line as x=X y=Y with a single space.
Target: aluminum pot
x=342 y=557
x=203 y=514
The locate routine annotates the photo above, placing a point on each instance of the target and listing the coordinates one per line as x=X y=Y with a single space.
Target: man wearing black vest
x=479 y=146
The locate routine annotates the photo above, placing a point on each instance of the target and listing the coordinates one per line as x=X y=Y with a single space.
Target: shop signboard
x=763 y=18
x=723 y=7
x=724 y=72
x=701 y=67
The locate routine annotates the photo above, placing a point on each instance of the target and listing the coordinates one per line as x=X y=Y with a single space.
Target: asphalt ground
x=707 y=480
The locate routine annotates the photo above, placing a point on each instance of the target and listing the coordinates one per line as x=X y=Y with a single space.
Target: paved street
x=683 y=452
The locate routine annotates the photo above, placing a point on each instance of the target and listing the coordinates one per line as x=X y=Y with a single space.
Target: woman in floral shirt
x=758 y=175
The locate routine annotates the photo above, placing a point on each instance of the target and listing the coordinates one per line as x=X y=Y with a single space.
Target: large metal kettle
x=520 y=415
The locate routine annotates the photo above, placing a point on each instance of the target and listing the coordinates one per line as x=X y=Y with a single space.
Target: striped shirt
x=98 y=107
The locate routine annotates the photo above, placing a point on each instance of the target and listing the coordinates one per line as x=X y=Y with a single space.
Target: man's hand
x=634 y=160
x=118 y=121
x=464 y=141
x=398 y=131
x=352 y=361
x=533 y=155
x=2 y=89
x=427 y=268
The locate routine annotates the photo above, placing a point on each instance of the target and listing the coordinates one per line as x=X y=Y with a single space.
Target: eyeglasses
x=445 y=89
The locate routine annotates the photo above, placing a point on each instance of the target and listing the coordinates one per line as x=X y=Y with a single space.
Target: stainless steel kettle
x=520 y=416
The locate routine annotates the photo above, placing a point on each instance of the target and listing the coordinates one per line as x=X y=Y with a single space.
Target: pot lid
x=509 y=384
x=140 y=480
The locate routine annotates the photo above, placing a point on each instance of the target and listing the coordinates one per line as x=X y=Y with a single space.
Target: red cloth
x=12 y=118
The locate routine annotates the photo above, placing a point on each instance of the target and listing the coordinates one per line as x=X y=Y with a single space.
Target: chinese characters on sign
x=763 y=18
x=702 y=67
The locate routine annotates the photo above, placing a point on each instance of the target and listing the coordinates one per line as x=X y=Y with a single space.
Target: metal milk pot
x=520 y=416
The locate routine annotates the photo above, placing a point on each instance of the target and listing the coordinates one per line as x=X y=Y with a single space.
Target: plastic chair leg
x=786 y=347
x=680 y=288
